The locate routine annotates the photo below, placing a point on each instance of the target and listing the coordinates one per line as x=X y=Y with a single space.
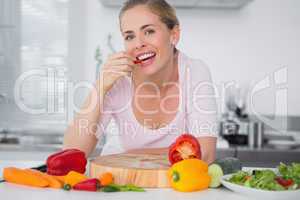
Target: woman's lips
x=145 y=62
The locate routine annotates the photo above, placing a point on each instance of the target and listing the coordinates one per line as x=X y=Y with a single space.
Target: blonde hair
x=161 y=8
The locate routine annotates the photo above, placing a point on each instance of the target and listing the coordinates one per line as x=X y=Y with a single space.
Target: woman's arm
x=208 y=148
x=81 y=132
x=202 y=109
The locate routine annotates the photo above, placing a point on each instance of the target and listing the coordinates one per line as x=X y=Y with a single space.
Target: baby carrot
x=106 y=179
x=23 y=177
x=53 y=182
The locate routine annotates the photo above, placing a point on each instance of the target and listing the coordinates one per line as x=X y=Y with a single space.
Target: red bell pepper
x=92 y=184
x=186 y=146
x=61 y=163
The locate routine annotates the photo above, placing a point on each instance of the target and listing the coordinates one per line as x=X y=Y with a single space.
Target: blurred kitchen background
x=50 y=49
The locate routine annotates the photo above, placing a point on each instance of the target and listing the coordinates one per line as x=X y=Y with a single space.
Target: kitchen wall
x=248 y=45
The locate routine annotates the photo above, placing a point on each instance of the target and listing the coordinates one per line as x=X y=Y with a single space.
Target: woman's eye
x=150 y=31
x=129 y=37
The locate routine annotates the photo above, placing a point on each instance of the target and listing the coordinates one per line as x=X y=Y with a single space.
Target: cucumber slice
x=215 y=171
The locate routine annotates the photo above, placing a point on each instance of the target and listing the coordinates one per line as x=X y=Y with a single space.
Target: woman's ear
x=175 y=35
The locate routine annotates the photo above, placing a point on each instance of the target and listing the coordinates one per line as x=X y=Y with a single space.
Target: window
x=33 y=59
x=44 y=52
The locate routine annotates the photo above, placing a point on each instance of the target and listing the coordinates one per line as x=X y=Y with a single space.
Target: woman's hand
x=117 y=65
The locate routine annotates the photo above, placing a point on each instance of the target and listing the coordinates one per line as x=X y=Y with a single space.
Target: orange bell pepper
x=72 y=178
x=189 y=175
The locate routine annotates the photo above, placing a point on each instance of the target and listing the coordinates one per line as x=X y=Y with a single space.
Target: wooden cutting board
x=143 y=170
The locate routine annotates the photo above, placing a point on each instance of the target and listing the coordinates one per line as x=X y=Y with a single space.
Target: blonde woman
x=152 y=90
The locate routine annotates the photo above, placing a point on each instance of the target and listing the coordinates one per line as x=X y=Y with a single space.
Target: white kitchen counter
x=10 y=191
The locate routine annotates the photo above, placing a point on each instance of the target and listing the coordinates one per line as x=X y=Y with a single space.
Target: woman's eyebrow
x=142 y=28
x=145 y=26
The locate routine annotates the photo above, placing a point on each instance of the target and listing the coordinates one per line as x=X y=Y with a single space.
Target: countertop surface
x=27 y=159
x=13 y=191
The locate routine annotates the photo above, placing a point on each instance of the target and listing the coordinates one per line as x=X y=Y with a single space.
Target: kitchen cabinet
x=267 y=157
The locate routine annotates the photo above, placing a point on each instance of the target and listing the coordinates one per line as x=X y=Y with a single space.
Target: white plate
x=283 y=144
x=257 y=193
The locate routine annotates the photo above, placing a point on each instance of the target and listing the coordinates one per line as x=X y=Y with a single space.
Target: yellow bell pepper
x=189 y=175
x=72 y=178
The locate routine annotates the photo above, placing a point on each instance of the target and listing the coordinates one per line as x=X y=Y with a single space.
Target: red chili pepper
x=61 y=163
x=92 y=184
x=284 y=182
x=186 y=146
x=137 y=61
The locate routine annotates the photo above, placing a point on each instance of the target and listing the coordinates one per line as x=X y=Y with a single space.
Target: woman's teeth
x=145 y=56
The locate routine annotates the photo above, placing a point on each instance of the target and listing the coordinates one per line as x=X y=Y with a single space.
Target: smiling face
x=147 y=39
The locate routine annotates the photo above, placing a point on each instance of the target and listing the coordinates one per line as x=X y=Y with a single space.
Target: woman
x=152 y=91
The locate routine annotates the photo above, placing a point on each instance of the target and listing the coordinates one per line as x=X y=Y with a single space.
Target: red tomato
x=186 y=146
x=284 y=182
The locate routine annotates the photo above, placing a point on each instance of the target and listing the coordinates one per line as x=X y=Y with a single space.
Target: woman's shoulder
x=195 y=68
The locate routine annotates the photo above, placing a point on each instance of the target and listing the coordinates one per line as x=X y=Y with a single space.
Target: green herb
x=110 y=188
x=122 y=188
x=131 y=188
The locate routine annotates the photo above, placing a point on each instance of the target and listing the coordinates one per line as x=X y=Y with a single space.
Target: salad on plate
x=285 y=177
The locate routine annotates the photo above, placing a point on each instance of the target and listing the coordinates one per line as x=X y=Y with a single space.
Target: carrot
x=106 y=179
x=23 y=177
x=60 y=178
x=53 y=182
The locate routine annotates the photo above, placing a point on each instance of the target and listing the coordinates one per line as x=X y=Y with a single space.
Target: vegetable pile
x=189 y=173
x=65 y=170
x=287 y=178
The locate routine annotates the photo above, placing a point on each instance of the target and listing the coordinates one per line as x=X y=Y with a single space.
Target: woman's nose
x=140 y=43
